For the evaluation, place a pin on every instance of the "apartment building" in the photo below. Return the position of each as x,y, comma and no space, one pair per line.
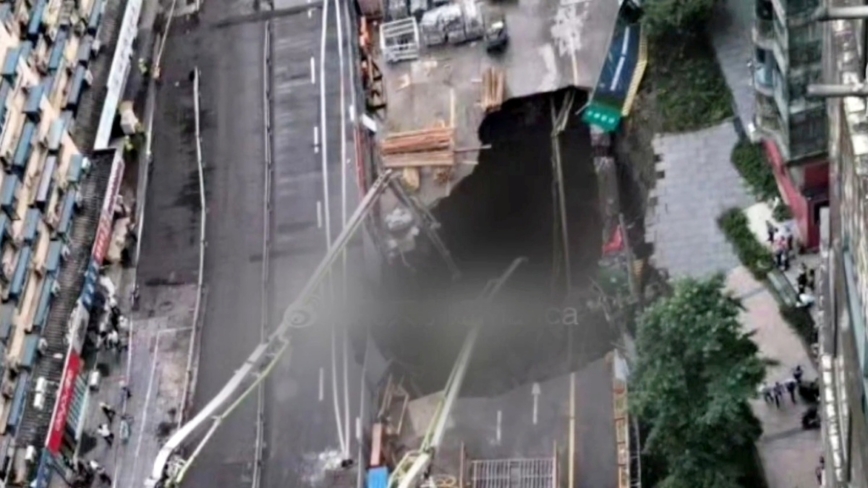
843,276
793,128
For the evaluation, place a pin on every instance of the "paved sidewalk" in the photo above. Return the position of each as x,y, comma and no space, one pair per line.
155,368
731,31
788,453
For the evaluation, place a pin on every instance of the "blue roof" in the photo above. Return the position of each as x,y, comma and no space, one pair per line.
4,227
36,18
31,346
77,87
52,260
20,276
55,133
34,99
18,399
10,64
73,174
25,144
8,191
95,15
57,50
66,212
378,478
31,224
44,303
84,50
7,314
26,49
46,181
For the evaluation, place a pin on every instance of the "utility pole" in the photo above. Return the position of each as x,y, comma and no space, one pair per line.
559,122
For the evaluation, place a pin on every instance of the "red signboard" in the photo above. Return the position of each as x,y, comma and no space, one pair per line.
104,231
64,399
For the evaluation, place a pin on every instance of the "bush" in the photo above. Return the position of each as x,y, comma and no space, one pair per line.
751,164
802,323
689,89
676,18
756,257
782,212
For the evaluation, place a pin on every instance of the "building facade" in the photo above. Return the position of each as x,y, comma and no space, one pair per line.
793,127
843,276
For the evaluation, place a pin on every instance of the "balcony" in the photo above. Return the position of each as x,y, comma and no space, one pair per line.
764,33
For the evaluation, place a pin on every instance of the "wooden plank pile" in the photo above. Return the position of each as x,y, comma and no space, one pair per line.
419,148
493,90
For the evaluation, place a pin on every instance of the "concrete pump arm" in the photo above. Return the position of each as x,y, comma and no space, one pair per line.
299,314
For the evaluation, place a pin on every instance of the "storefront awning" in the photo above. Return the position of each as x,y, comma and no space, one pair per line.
619,80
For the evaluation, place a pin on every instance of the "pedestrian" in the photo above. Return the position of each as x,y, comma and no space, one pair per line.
778,393
812,279
125,390
791,389
819,471
802,278
798,373
105,432
93,466
108,410
113,339
770,231
766,392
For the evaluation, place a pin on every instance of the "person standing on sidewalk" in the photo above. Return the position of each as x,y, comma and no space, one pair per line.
104,478
778,392
105,432
791,389
108,410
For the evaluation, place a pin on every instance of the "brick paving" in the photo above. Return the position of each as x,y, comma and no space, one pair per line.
788,453
696,183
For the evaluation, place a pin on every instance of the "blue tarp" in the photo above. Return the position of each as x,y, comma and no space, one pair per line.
378,478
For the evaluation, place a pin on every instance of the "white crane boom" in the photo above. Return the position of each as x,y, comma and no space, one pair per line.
297,315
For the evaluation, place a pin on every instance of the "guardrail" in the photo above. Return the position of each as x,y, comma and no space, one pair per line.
193,354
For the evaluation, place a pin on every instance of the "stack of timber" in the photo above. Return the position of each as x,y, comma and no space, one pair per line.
493,90
419,148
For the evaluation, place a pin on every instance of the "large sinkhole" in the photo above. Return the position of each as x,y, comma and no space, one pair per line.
505,209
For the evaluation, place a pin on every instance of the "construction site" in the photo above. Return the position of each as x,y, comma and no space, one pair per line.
477,107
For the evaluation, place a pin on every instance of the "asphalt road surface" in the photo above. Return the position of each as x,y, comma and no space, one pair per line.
227,43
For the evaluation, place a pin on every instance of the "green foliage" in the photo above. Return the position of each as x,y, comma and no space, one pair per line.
671,18
756,257
749,160
801,322
695,373
782,212
688,86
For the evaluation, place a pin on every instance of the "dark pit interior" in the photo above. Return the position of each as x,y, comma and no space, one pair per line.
503,210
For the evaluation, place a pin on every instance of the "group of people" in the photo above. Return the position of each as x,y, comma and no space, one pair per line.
775,393
782,242
110,330
86,472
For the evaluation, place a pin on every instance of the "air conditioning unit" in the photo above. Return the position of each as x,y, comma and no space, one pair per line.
79,27
96,47
64,252
39,401
17,242
88,77
31,454
55,289
41,384
93,380
6,156
8,390
39,268
79,199
85,165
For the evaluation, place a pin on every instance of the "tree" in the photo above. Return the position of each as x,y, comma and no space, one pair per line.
696,370
664,18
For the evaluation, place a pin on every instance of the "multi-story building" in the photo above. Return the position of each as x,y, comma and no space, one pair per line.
793,127
843,274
